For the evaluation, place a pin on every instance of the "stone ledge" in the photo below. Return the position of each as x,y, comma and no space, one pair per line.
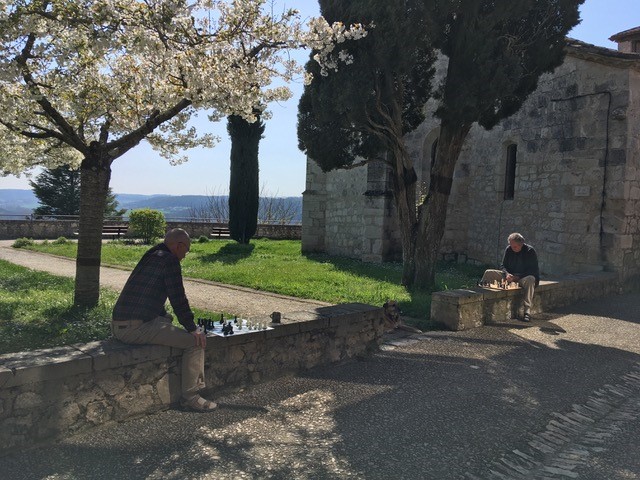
53,392
463,309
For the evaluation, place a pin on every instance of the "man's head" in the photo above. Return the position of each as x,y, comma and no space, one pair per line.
516,241
178,242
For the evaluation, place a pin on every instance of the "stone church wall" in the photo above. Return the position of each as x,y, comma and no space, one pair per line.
577,181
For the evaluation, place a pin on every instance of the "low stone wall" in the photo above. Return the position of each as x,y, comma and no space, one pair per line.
463,309
52,229
48,393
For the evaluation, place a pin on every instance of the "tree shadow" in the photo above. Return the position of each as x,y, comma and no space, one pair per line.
472,395
229,254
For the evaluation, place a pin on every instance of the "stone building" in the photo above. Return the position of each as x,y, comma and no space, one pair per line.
564,171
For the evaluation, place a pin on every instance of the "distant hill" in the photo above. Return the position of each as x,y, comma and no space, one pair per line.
17,202
22,202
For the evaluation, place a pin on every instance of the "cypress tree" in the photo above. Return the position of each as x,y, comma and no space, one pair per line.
243,185
364,109
495,50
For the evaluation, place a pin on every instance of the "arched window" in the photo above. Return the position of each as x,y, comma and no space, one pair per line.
635,46
510,172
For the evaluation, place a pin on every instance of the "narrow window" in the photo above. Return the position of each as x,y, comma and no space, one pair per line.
510,172
434,149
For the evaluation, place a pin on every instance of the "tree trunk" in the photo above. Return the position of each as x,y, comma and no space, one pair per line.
95,173
404,193
243,185
432,214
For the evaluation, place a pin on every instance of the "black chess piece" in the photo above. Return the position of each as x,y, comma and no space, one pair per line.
227,329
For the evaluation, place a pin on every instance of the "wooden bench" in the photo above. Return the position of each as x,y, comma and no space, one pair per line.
463,309
220,232
114,231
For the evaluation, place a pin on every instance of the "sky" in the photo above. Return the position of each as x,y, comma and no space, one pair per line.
282,165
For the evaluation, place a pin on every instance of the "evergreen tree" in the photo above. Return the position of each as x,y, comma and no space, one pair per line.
363,110
243,187
496,51
58,192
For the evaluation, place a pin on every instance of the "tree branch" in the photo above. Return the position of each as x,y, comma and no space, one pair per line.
67,133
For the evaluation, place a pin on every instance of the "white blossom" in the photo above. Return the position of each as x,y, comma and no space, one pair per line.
74,72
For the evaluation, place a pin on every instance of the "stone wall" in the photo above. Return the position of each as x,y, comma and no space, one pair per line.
463,309
52,229
53,392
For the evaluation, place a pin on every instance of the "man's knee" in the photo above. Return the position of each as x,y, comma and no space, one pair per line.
529,281
492,275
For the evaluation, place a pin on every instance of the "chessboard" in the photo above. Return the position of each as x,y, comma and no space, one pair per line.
231,326
500,285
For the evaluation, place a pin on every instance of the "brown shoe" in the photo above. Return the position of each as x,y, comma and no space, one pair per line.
198,404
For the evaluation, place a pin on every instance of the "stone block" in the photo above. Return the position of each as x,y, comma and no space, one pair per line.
5,376
46,364
457,309
107,354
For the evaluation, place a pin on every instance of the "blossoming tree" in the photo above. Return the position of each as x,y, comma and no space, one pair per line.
84,81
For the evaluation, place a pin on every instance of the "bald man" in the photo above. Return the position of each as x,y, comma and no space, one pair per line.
139,315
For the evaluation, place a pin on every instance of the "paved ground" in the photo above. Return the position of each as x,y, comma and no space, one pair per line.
556,399
202,294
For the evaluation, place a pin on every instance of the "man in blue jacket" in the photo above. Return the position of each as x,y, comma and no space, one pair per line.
520,265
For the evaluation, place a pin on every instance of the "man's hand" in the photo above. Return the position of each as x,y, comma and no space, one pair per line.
512,278
200,336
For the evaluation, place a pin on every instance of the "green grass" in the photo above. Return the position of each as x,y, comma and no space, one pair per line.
36,311
279,266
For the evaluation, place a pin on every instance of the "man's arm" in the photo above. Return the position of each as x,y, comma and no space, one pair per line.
177,296
532,267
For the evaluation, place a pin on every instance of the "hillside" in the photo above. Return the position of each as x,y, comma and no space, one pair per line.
14,202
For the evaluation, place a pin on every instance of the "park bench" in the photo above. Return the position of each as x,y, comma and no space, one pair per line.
114,231
463,309
220,232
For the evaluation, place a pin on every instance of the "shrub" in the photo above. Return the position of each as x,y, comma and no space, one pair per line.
60,241
203,239
147,224
23,242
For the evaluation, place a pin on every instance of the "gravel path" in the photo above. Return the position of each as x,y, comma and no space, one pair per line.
210,296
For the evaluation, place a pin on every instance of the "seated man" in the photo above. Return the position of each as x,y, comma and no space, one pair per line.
520,265
139,315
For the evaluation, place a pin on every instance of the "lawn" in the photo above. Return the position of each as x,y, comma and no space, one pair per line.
36,308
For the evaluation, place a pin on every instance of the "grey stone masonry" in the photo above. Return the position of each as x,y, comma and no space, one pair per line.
463,309
48,393
575,144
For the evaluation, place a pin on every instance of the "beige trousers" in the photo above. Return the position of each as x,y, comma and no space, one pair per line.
527,283
160,331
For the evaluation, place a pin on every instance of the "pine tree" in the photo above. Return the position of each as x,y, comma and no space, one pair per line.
243,185
58,192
